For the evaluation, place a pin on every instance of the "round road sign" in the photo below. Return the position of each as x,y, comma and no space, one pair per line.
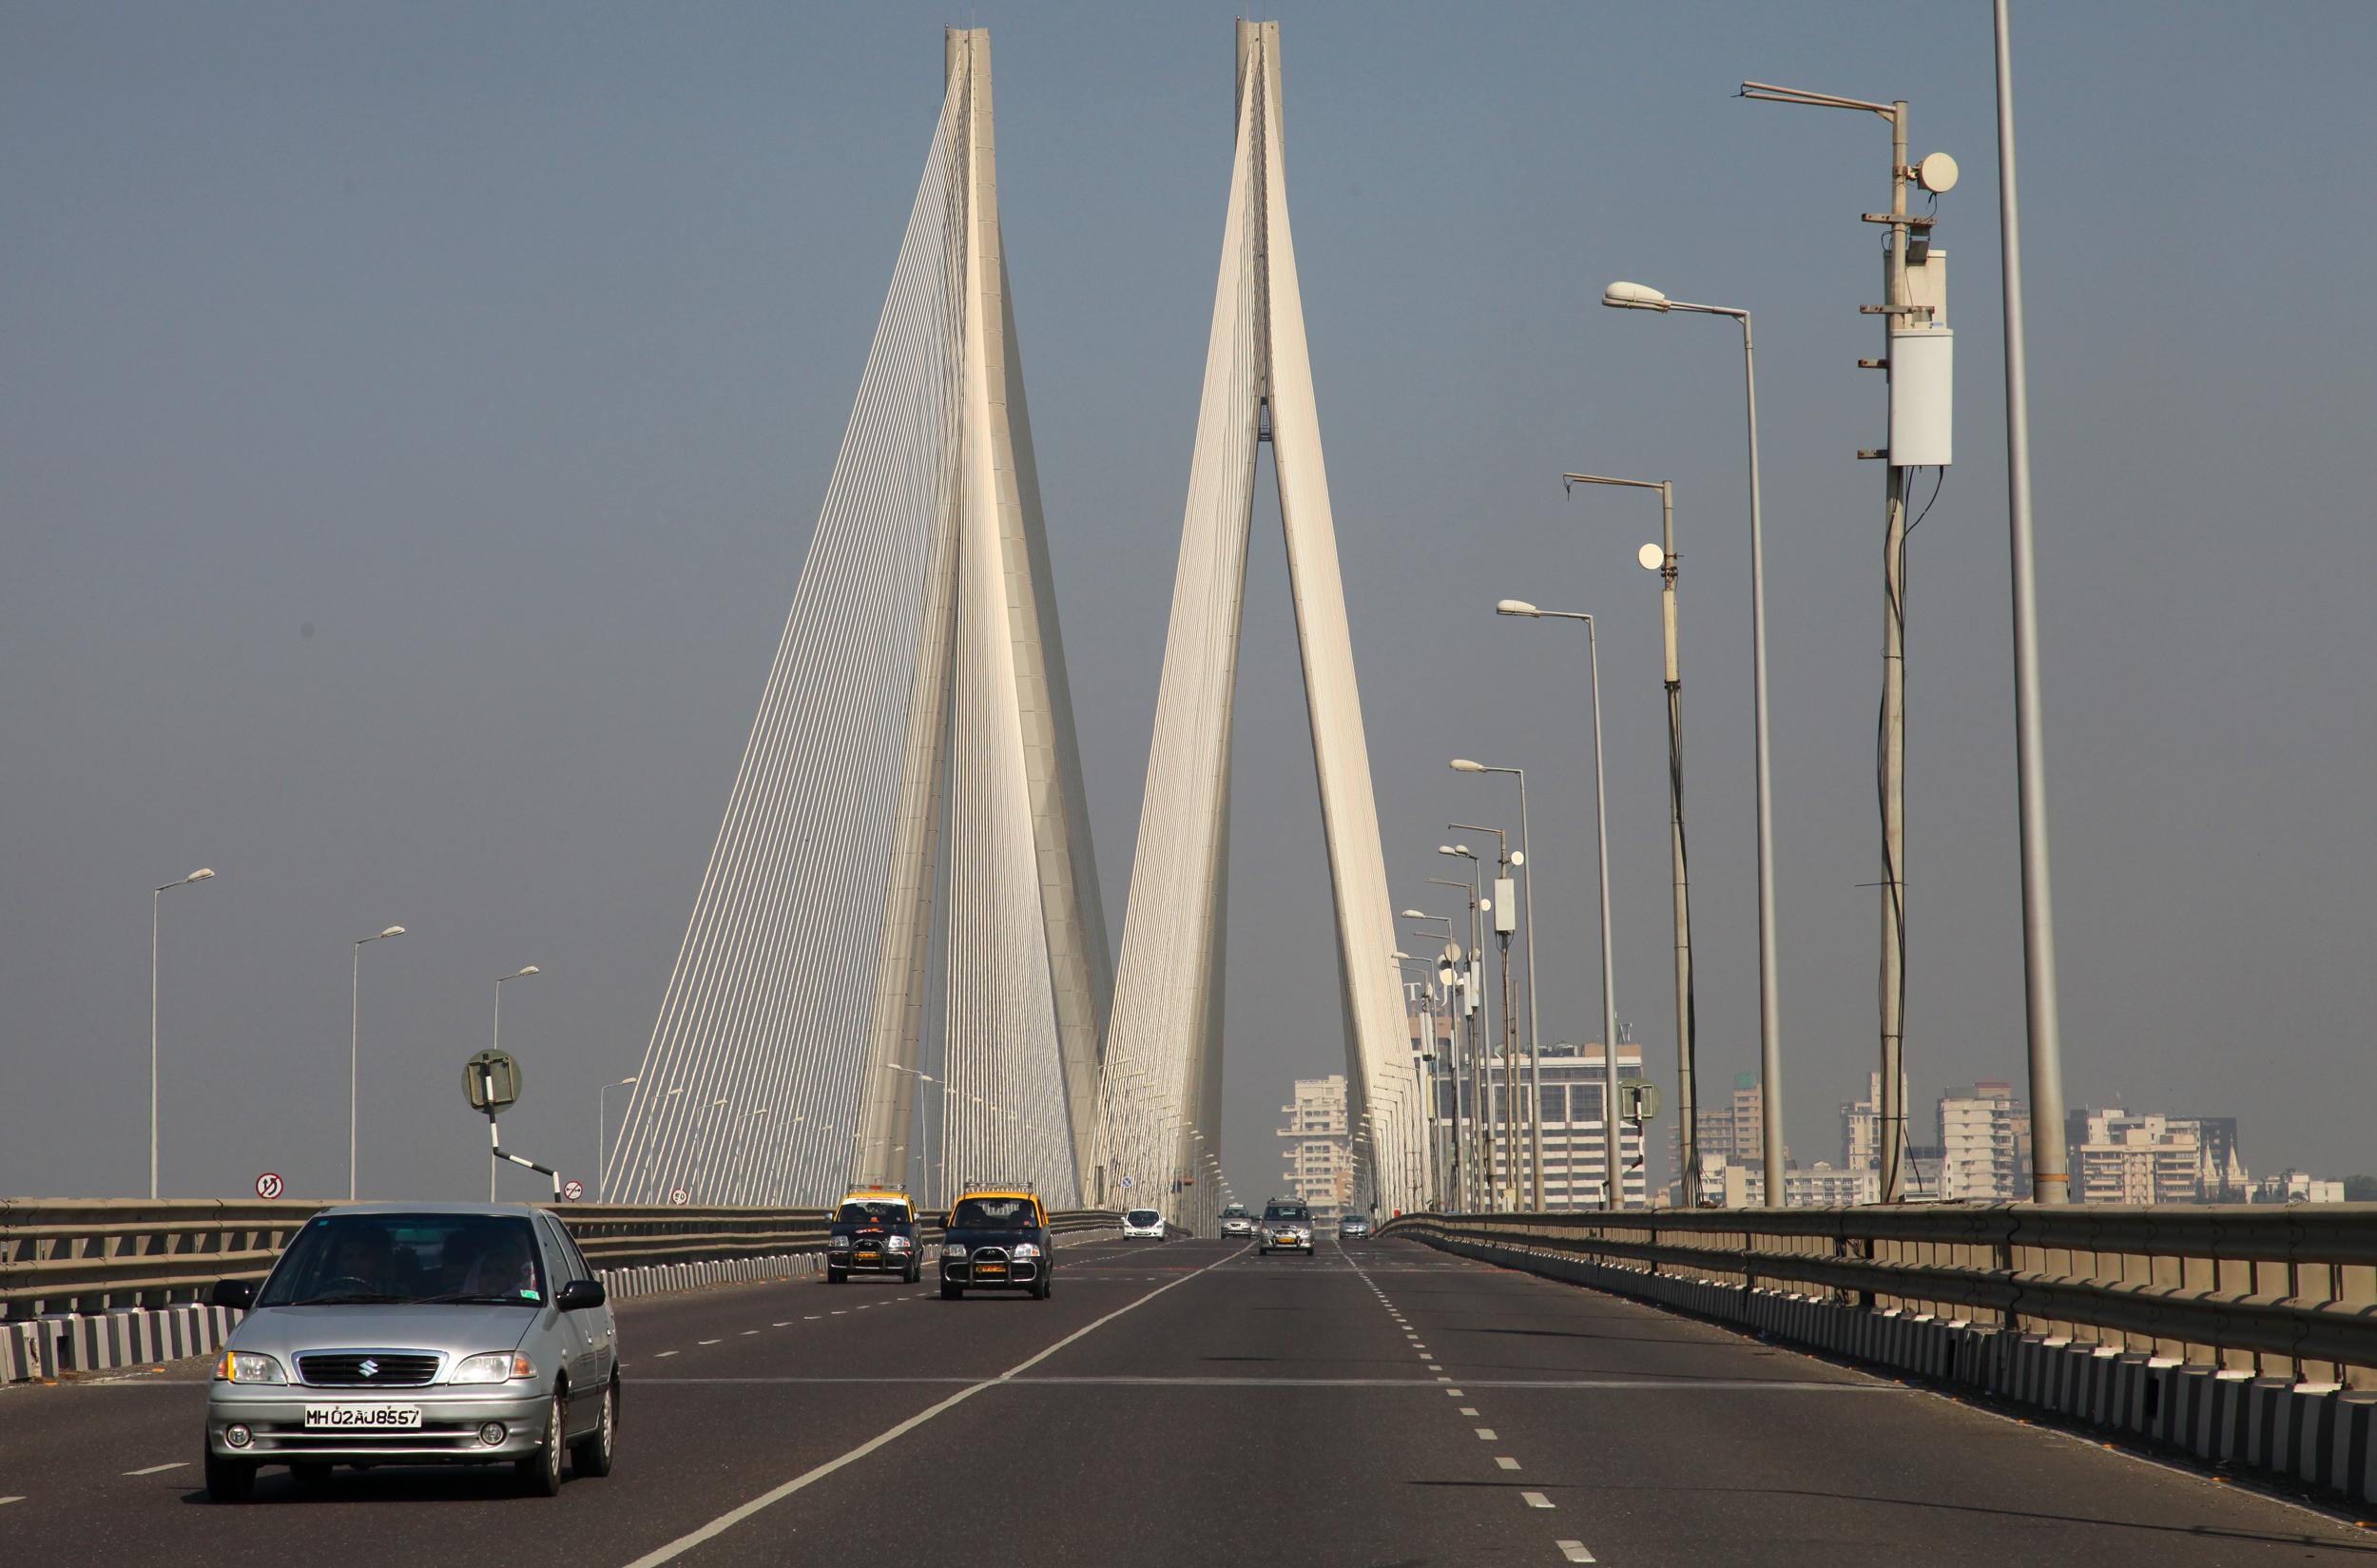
573,1190
268,1185
679,1196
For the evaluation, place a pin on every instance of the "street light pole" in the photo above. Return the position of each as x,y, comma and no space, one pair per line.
1508,1189
354,1039
1613,1194
2051,1180
1662,559
1624,296
1534,1041
155,901
1477,1155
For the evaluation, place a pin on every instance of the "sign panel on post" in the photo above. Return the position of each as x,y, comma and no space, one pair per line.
491,1080
679,1196
573,1190
268,1185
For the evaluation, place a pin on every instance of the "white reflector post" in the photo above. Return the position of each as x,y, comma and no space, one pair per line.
1923,396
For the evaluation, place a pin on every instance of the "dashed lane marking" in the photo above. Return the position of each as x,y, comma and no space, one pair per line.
1485,1434
4,1501
663,1355
1536,1500
1574,1550
787,1324
160,1469
1466,1409
705,1341
1506,1462
748,1332
735,1516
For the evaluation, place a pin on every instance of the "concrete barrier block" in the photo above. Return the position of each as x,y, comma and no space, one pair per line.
2266,1434
2190,1394
2356,1444
2311,1410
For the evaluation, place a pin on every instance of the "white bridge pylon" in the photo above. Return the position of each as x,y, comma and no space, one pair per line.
1163,1058
918,692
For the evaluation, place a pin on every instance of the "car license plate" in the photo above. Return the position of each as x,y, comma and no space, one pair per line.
363,1418
991,1268
869,1257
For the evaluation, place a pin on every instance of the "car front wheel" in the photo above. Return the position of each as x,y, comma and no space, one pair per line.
591,1455
540,1472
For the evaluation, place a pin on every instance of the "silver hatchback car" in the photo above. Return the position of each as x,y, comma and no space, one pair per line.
418,1334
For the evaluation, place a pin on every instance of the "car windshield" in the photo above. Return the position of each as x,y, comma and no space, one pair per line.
874,1214
1234,1211
1143,1217
1286,1212
993,1214
342,1259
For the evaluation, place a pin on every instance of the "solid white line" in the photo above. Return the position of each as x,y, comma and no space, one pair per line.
1537,1499
156,1469
1574,1550
735,1516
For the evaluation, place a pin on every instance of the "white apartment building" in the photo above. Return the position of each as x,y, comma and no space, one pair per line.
2121,1156
1574,1132
1730,1184
1319,1154
1985,1144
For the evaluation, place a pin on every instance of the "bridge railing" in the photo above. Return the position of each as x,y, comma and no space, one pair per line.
96,1256
2265,1289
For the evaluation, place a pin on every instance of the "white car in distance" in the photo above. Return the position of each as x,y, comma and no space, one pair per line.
1143,1225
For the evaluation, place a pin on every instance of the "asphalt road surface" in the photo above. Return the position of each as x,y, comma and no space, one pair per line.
1181,1402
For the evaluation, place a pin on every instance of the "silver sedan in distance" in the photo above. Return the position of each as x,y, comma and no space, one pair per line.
418,1334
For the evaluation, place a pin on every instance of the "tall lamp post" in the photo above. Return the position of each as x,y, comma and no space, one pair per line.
520,974
1661,558
1504,920
602,1134
1622,296
1613,1195
1535,1041
155,899
1472,988
354,1044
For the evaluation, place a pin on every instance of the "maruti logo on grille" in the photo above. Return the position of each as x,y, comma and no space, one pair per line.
370,1368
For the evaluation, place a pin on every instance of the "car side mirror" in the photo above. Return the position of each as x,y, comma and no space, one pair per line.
578,1295
236,1293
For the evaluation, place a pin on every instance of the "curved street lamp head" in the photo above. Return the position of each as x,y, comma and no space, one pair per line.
1623,296
1516,607
1463,765
202,874
1417,915
392,931
522,973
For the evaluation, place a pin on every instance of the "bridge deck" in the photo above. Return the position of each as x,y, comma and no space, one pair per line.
1183,1403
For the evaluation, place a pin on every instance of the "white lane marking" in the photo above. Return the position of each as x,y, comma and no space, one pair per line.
663,1355
1574,1550
811,1318
1456,1393
748,1332
706,1342
4,1501
158,1469
735,1516
1485,1434
1434,1367
839,1313
1506,1462
1466,1409
787,1324
1537,1499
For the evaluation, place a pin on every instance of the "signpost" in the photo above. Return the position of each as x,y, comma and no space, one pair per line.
491,1081
268,1185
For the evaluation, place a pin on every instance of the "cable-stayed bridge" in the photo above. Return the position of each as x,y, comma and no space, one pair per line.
914,762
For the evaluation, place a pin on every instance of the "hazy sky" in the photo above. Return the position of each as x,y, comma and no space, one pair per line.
412,420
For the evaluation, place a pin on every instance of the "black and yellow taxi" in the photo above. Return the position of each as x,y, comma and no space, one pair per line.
874,1233
998,1239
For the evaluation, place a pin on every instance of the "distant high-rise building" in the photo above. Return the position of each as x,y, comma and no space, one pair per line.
1861,1124
1985,1144
1319,1156
2146,1157
1575,1149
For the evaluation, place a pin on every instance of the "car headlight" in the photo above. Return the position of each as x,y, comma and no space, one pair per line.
493,1366
1025,1249
838,1244
953,1249
249,1367
900,1244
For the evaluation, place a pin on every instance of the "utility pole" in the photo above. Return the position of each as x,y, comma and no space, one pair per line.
1505,923
1918,345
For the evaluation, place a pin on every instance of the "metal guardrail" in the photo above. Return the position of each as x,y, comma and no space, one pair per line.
89,1256
2262,1289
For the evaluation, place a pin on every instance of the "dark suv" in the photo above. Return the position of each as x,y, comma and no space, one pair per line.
998,1238
874,1233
